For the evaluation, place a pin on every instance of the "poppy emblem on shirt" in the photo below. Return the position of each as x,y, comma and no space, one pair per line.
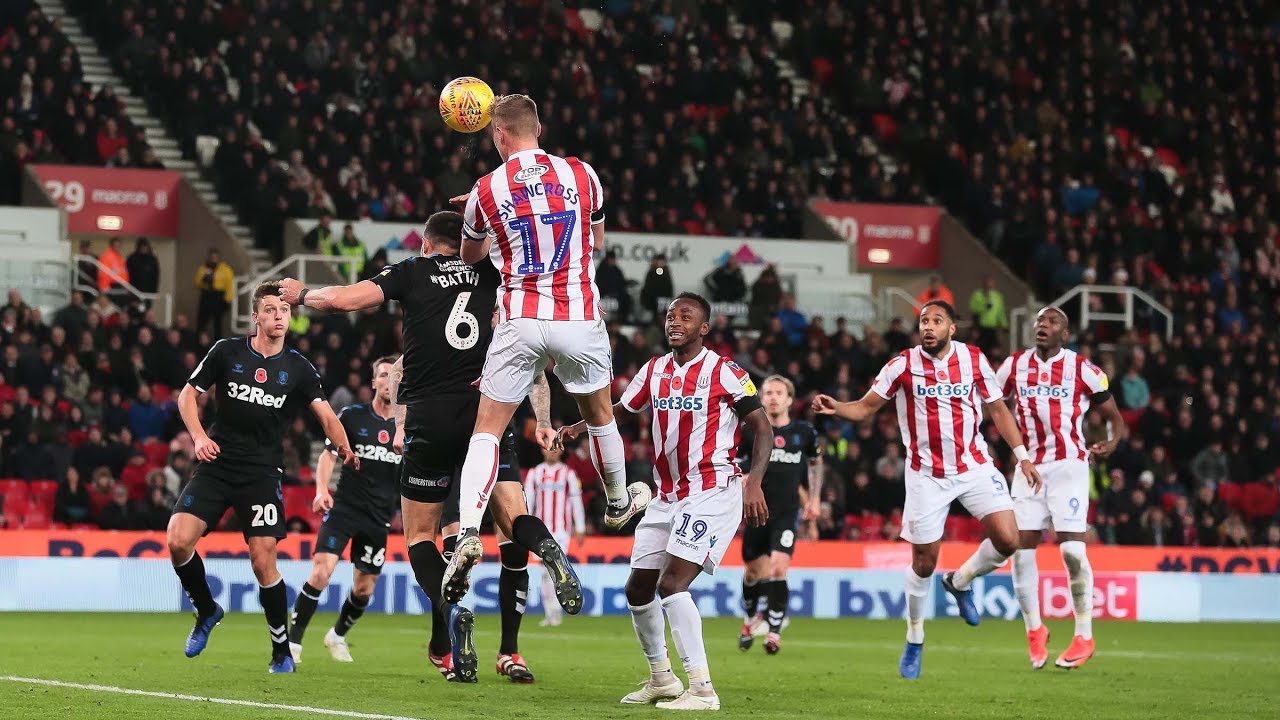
779,441
942,376
676,384
1044,377
384,437
260,375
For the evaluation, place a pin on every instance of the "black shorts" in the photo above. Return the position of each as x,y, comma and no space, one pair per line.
368,539
435,445
777,535
508,471
253,491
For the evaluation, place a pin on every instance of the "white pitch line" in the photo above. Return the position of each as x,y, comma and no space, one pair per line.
199,698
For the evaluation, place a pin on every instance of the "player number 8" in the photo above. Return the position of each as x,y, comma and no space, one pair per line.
459,317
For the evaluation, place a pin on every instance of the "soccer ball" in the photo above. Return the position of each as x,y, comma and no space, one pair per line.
466,104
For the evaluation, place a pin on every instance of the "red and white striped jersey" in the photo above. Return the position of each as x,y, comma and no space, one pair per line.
1053,397
554,496
695,425
540,209
939,403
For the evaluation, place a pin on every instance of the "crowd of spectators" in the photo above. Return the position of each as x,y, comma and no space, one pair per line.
49,114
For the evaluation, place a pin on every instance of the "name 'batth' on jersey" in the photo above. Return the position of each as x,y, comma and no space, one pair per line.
1053,396
374,488
939,403
696,424
252,394
448,310
540,209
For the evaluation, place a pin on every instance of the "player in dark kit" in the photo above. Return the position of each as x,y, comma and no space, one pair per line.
792,482
360,513
447,309
240,459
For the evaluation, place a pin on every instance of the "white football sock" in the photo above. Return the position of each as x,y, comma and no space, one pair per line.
1081,574
478,474
651,630
610,461
1026,585
917,589
981,562
550,605
686,632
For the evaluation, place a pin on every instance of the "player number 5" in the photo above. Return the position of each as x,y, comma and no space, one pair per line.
458,317
264,515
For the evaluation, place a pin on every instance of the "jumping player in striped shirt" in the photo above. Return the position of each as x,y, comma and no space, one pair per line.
1052,388
698,400
553,494
940,388
540,219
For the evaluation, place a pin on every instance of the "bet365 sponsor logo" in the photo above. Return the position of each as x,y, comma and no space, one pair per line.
1115,597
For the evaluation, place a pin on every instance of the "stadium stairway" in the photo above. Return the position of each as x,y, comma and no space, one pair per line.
97,72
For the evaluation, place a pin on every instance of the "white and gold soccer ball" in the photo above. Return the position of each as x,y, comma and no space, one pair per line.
466,104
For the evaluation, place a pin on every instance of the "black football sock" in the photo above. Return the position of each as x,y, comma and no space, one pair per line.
779,595
352,609
191,574
530,532
751,593
303,608
513,591
275,606
428,568
450,542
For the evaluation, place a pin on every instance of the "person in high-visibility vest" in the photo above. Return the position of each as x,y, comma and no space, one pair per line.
351,247
114,271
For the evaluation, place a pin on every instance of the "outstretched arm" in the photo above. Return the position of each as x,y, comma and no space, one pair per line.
855,410
334,298
335,432
999,413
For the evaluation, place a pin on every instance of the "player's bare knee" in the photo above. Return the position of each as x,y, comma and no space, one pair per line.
320,574
179,548
1005,543
640,589
670,584
363,587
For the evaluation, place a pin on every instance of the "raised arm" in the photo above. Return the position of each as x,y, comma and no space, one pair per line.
334,298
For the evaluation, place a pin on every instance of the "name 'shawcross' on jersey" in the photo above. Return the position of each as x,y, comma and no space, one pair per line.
540,208
448,316
254,393
374,488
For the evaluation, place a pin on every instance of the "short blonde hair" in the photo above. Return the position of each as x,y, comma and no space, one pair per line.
516,114
790,386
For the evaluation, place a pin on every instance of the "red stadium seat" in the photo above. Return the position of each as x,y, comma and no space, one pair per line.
1167,501
160,393
885,127
44,490
134,477
307,475
15,488
869,525
954,528
1231,494
297,501
156,452
1123,137
76,438
38,517
1260,500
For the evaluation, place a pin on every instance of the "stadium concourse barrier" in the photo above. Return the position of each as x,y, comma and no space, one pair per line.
69,570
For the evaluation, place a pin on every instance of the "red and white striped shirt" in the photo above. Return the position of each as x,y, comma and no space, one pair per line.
554,495
540,209
695,426
1053,397
939,404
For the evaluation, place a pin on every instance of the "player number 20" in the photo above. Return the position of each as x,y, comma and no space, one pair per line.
264,515
374,559
698,528
459,317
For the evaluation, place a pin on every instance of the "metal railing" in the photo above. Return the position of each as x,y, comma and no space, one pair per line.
294,266
1082,315
163,302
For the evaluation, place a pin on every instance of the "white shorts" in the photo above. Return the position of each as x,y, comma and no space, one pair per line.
1064,497
982,491
698,528
521,348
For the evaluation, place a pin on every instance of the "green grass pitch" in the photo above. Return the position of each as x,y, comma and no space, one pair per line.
827,669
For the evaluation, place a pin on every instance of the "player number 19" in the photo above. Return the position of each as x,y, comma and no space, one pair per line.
458,317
